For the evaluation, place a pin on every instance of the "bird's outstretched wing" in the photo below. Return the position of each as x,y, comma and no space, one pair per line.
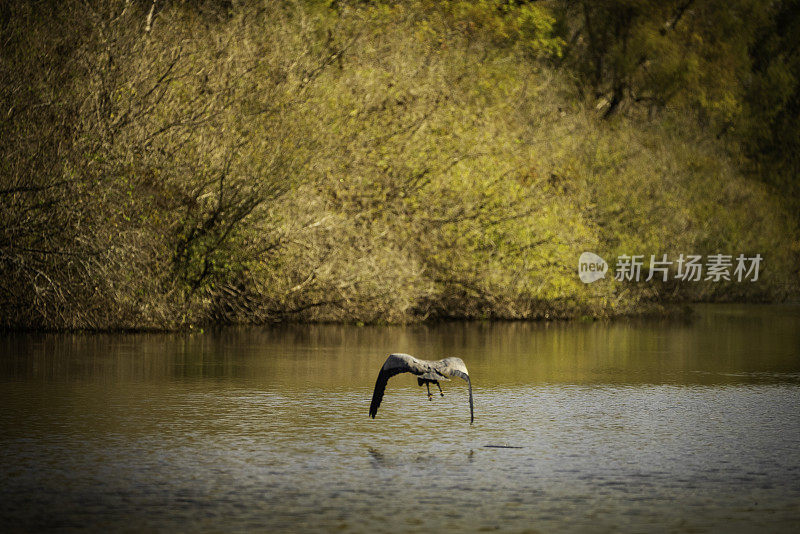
455,367
394,365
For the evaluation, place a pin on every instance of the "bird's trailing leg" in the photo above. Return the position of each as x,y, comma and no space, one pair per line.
440,389
428,385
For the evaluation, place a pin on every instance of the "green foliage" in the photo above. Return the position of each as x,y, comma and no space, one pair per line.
364,161
687,52
770,125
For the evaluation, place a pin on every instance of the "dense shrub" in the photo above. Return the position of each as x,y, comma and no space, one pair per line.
371,162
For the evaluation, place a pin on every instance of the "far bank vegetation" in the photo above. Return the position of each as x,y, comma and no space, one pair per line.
186,163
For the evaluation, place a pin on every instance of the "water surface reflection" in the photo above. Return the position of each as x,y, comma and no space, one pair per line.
629,425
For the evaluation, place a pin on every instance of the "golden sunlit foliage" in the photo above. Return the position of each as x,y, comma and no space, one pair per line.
366,161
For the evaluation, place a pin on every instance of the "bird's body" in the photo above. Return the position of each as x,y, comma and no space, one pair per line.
428,372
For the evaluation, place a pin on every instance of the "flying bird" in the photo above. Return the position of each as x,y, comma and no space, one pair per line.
427,372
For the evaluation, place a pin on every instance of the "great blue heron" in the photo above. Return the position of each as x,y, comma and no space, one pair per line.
427,373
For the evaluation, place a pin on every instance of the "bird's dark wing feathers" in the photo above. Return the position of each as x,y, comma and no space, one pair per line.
455,367
465,376
394,365
380,387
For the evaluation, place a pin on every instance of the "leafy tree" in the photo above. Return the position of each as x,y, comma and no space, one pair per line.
770,126
654,52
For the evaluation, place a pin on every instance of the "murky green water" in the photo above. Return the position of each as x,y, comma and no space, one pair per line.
646,426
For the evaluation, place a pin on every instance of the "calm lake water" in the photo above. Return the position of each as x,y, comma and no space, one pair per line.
636,426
